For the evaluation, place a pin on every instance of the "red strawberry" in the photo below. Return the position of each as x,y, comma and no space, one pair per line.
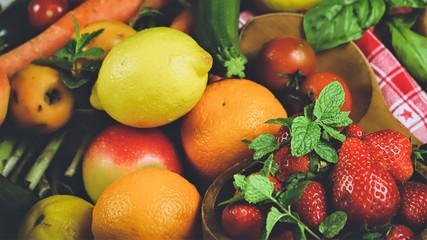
283,135
400,232
393,150
241,220
289,164
413,206
353,130
362,187
311,207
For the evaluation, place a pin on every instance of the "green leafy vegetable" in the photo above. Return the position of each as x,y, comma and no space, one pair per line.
406,3
334,22
409,47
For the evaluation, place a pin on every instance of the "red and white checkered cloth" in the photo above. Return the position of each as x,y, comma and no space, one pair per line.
404,97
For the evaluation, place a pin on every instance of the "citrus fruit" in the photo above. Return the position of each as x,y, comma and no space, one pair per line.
113,32
58,217
152,78
150,203
229,111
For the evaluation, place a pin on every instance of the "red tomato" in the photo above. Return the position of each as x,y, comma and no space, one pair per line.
284,55
314,84
42,13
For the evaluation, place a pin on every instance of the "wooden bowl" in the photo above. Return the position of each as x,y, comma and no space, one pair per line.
369,107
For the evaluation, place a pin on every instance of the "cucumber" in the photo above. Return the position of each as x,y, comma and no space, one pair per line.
217,31
15,28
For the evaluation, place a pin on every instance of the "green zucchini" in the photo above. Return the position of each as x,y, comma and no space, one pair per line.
217,31
15,28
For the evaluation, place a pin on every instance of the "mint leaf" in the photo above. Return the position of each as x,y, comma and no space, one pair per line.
240,181
258,189
326,151
273,217
292,195
282,121
333,224
334,133
305,136
72,83
329,102
300,234
263,145
270,166
342,119
96,51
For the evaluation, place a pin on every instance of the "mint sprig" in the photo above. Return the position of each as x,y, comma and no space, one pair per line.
68,58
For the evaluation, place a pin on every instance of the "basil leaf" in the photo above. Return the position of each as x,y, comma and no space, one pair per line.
305,136
406,3
409,47
334,22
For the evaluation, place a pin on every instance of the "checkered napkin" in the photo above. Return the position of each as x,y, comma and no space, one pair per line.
402,94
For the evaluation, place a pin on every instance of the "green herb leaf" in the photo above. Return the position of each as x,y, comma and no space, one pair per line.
333,224
335,22
305,136
334,133
300,234
282,121
263,145
406,3
240,181
273,217
270,166
326,151
292,195
410,48
329,102
342,119
72,83
93,52
258,189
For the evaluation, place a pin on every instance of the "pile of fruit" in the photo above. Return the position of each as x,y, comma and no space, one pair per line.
117,115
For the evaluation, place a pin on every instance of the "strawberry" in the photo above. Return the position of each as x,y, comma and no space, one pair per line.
400,232
289,164
362,187
283,135
353,130
241,220
393,150
413,206
311,207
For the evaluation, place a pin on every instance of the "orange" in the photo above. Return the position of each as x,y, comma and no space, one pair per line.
150,203
229,111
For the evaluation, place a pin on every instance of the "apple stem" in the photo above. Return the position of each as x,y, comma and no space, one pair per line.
6,147
78,156
15,156
43,160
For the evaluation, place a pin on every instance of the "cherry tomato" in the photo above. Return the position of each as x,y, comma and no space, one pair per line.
42,13
315,82
281,57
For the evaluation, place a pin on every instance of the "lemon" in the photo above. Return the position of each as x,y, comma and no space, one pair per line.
286,5
152,78
58,217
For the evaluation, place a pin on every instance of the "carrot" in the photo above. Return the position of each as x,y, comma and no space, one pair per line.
57,35
4,95
184,21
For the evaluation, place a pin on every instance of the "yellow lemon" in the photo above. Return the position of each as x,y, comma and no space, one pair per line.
152,78
58,217
286,5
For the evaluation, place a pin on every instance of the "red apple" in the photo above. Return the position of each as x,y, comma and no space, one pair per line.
119,150
4,95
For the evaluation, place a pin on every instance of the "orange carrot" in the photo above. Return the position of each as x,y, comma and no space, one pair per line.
4,95
184,21
57,35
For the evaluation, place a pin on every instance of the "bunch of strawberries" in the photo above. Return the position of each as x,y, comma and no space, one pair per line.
372,186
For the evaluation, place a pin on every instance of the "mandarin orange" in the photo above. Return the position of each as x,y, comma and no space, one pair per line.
229,111
150,203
